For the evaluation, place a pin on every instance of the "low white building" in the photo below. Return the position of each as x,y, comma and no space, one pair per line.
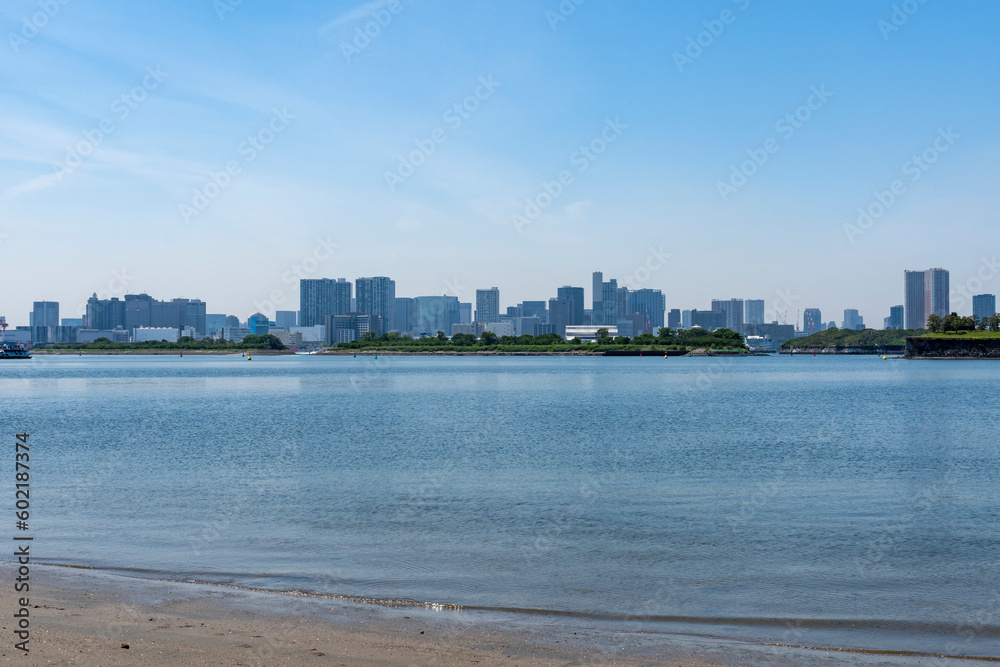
313,334
505,328
588,333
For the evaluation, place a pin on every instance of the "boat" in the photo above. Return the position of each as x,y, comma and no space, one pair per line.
11,350
14,351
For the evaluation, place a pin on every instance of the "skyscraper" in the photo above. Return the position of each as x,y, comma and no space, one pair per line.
812,321
488,305
913,299
575,295
754,311
852,320
597,294
926,293
319,297
406,314
377,296
44,320
104,314
609,304
895,319
652,305
984,305
733,308
436,313
286,319
674,319
937,297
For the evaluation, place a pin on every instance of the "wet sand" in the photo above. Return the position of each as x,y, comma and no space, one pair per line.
81,617
88,618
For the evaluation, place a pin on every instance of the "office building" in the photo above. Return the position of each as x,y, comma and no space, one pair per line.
539,309
674,318
812,321
575,296
436,313
377,296
651,304
72,321
104,314
465,312
44,320
896,319
148,334
143,311
488,305
258,324
597,295
733,309
560,314
926,293
286,319
708,319
214,322
686,319
351,326
319,297
754,311
610,304
984,305
852,320
406,314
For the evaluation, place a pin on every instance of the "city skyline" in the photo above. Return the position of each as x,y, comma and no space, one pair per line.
654,157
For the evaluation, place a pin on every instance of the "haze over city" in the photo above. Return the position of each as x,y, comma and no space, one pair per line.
413,144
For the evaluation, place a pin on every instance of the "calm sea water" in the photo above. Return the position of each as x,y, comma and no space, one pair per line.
819,501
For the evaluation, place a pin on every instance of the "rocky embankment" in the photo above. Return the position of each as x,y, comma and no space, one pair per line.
953,348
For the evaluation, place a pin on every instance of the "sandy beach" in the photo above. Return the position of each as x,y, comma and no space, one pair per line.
81,617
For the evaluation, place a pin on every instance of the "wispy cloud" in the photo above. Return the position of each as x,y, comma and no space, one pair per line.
356,14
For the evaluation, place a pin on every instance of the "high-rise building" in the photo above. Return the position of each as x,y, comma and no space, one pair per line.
561,311
406,314
686,319
597,294
104,314
895,319
812,321
319,297
926,293
436,313
709,319
984,305
214,322
733,308
539,309
674,318
651,304
937,296
488,305
44,321
286,319
852,320
377,296
608,314
575,295
465,312
754,311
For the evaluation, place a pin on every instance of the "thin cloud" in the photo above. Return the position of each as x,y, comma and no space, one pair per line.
356,14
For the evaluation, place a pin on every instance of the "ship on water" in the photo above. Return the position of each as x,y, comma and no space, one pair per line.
11,350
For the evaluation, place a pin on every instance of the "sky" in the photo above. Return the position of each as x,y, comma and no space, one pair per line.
801,153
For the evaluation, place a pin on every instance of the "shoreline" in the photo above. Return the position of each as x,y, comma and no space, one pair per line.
85,616
89,617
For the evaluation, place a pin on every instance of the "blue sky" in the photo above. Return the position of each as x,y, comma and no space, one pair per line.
118,122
